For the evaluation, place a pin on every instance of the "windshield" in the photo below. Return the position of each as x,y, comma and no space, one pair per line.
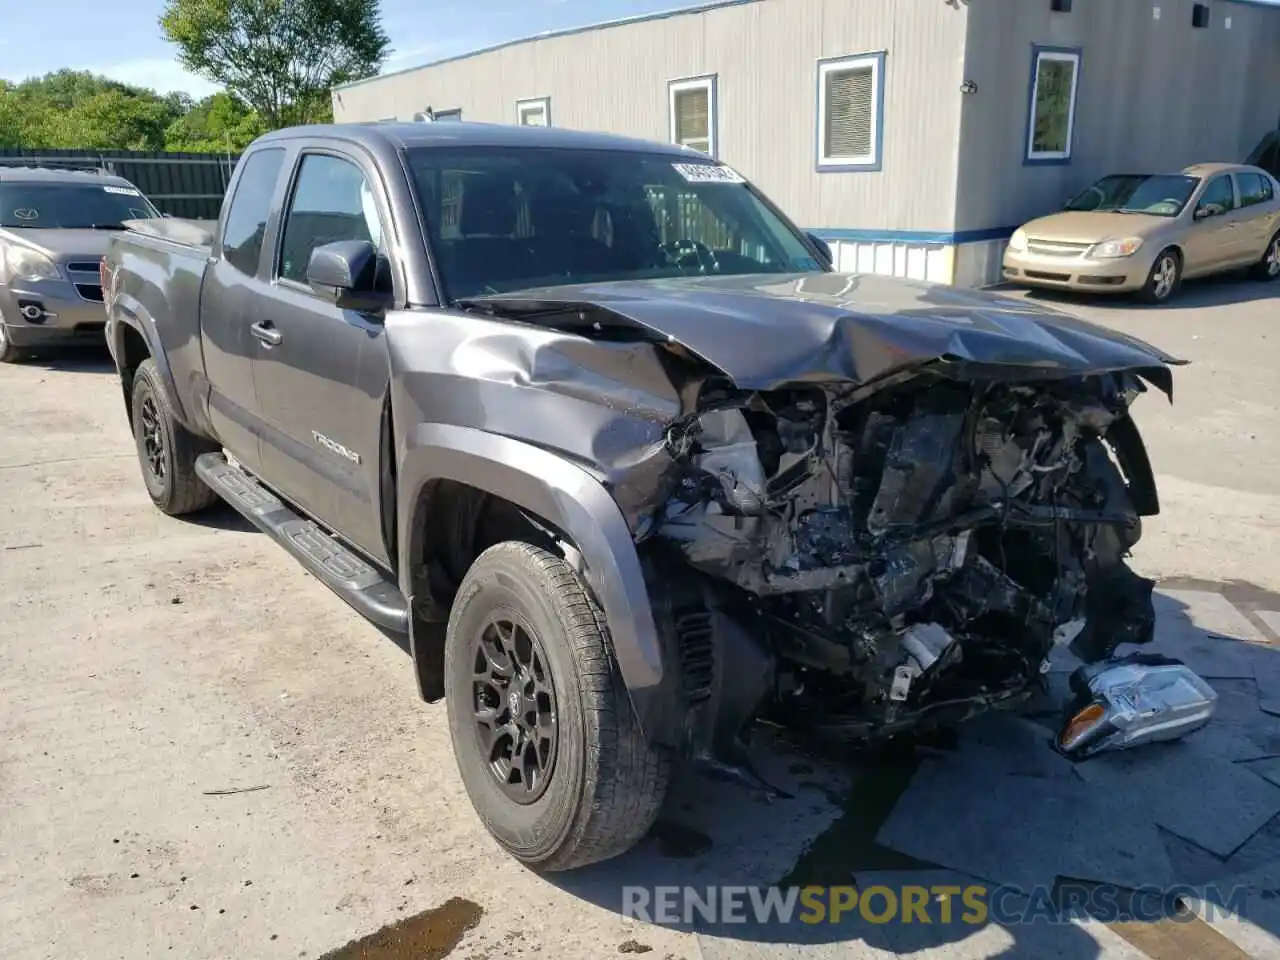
1160,195
503,219
71,205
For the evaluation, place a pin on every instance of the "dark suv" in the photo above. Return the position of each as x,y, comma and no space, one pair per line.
54,226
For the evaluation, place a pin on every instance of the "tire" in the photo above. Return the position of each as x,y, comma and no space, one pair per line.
8,352
1268,268
604,784
1161,286
167,451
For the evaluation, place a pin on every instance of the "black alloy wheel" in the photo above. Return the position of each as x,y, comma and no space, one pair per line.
514,707
152,437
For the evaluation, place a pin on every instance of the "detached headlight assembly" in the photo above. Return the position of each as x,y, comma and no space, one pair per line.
1130,701
24,264
1018,242
1114,249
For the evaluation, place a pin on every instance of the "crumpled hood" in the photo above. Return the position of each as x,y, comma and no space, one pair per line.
766,331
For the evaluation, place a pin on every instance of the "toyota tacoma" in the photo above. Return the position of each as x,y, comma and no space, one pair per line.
632,466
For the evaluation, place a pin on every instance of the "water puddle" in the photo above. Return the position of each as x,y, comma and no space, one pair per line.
430,935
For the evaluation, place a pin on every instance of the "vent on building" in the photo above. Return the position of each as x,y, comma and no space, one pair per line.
1200,15
850,112
1060,6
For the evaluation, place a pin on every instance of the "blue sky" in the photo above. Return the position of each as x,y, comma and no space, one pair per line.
123,41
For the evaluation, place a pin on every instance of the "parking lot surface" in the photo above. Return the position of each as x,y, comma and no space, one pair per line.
205,754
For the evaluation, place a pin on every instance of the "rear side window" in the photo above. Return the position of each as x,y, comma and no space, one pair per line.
246,220
332,201
1254,188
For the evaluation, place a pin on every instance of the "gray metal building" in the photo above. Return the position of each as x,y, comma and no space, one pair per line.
915,135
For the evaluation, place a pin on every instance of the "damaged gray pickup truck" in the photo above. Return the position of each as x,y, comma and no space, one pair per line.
597,428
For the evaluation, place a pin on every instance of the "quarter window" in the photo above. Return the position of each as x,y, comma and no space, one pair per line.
534,113
331,201
693,113
850,112
246,220
1055,79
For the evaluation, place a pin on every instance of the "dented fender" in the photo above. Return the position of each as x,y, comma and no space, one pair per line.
564,495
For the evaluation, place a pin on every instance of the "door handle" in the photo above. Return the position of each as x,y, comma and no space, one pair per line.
267,333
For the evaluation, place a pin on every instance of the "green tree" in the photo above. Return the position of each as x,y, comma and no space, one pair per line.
216,124
77,109
279,56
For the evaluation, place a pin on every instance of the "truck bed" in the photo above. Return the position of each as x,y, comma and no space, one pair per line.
197,234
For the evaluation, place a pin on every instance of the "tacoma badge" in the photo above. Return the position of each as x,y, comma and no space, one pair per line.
334,447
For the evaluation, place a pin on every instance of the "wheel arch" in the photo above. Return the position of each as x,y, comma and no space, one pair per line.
134,339
561,503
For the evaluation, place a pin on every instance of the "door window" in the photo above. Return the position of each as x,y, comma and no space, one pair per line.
1218,198
1254,189
331,201
246,220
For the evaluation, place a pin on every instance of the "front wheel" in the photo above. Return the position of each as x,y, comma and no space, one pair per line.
8,352
1268,268
543,731
1165,278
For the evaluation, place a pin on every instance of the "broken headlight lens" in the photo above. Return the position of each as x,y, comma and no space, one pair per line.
1142,698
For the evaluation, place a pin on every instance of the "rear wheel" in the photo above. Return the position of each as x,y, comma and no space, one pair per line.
543,731
1165,278
1268,268
167,451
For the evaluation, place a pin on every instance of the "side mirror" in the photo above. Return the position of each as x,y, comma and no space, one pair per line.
1203,213
346,274
824,248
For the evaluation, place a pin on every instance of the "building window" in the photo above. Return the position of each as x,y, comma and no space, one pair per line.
851,112
1051,120
446,115
534,113
692,108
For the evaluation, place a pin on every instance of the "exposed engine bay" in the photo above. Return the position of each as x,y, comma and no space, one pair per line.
914,552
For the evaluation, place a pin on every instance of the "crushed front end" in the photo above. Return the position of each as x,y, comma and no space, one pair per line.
903,555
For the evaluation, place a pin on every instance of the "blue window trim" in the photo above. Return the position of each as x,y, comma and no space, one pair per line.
1027,159
543,102
876,164
712,82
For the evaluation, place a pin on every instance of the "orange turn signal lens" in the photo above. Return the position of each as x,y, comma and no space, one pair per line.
1080,724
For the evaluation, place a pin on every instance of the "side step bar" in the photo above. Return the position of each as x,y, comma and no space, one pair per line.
354,579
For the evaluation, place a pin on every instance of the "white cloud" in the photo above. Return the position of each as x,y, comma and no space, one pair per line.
165,76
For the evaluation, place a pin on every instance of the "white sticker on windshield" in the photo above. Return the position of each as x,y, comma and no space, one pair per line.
123,191
708,173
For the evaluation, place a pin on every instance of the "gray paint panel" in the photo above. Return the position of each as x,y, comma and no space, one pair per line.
561,493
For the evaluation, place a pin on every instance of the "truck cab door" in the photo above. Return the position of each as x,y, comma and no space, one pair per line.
320,371
233,286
